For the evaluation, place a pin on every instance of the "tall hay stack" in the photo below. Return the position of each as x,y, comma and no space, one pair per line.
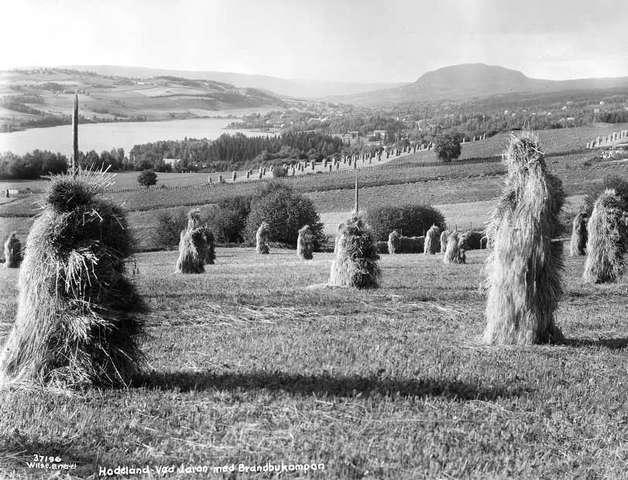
578,242
75,323
261,239
12,251
432,241
606,240
192,246
524,266
453,252
394,240
355,256
305,243
443,241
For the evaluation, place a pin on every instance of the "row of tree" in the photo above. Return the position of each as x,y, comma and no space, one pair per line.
232,152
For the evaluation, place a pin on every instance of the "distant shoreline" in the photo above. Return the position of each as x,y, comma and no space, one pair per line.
85,121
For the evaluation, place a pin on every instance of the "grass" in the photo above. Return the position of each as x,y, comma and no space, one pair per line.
250,365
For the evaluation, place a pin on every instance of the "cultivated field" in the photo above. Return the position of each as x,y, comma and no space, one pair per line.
249,365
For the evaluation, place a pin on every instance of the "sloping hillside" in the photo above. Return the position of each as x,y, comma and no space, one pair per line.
291,87
43,97
476,80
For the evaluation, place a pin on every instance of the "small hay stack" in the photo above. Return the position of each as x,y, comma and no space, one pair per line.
12,251
453,252
432,241
355,256
443,241
75,323
305,243
261,239
578,243
524,266
192,246
606,240
394,241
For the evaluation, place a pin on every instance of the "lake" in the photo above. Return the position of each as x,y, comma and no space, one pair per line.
105,136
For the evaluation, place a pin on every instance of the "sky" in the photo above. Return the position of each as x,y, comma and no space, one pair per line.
339,40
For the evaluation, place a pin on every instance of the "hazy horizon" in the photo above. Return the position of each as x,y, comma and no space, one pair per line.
343,41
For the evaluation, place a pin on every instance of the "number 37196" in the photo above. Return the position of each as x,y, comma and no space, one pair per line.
46,459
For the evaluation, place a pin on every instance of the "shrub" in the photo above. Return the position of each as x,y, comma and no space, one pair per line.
471,240
168,228
400,244
285,212
229,220
279,171
447,147
147,178
409,220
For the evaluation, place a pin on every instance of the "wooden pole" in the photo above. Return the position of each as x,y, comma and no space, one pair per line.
356,208
75,148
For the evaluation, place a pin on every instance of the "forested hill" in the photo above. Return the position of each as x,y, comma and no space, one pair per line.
43,97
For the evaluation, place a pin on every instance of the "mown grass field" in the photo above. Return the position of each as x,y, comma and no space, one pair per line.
249,365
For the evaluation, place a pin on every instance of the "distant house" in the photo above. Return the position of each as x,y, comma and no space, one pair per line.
171,161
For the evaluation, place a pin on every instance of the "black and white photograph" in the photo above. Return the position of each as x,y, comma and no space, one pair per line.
313,239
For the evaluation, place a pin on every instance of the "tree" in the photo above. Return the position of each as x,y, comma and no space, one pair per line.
285,212
447,147
147,178
410,220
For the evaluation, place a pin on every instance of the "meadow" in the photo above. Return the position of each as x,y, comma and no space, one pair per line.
248,364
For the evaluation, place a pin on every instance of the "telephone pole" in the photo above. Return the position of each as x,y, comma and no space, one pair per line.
75,148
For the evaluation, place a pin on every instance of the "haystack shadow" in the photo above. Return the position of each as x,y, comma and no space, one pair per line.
323,384
610,343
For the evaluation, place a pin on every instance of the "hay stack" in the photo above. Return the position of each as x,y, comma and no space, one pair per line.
305,243
262,238
453,251
192,246
355,256
432,240
443,241
578,243
606,240
12,251
524,266
75,322
394,240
